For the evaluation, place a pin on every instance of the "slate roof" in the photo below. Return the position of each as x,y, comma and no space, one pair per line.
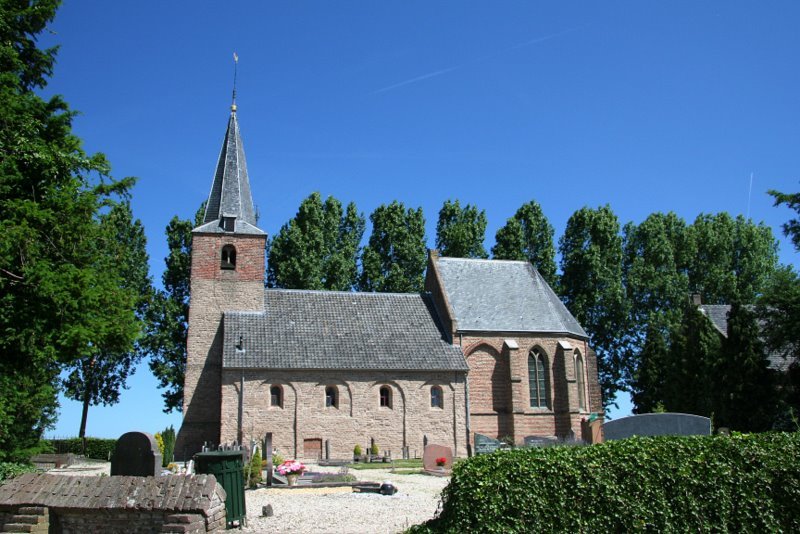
230,192
340,330
718,315
504,296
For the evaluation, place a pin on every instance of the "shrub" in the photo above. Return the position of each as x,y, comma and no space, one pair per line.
160,443
255,470
374,450
277,459
168,436
357,450
10,470
96,448
674,484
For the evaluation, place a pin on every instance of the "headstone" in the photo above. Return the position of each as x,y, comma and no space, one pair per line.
136,454
485,444
267,511
387,488
540,441
657,424
432,452
268,455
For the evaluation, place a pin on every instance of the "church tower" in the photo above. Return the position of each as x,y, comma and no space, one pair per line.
227,274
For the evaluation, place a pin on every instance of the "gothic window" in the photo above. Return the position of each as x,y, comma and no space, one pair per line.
386,397
228,257
580,382
537,379
276,396
437,399
331,397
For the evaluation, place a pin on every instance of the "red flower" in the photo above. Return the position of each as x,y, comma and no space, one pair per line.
441,461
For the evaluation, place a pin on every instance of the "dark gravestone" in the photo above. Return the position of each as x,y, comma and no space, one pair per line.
136,454
268,457
657,424
485,444
540,441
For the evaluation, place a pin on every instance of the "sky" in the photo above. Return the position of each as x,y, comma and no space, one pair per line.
647,106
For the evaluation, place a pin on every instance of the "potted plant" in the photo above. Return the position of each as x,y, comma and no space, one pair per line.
357,453
374,452
291,469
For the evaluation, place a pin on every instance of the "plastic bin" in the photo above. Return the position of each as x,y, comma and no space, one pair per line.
226,466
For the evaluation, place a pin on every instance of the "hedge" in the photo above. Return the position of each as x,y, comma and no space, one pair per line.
667,484
97,448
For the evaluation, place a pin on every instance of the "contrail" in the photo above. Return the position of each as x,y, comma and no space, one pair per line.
473,61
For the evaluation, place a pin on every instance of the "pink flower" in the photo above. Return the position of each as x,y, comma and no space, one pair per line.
291,467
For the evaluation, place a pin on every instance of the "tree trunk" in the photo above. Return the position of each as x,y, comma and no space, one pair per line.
84,415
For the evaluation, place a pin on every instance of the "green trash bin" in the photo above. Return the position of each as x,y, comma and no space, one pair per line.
226,466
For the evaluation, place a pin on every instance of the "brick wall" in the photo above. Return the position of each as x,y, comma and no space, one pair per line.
214,291
359,416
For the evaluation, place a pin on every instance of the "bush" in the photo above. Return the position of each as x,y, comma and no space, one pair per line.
675,484
10,470
374,450
255,470
168,437
96,448
357,450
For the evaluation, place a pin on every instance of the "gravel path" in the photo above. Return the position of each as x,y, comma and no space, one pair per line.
341,510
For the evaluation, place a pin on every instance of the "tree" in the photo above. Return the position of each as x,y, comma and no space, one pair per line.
460,231
528,235
394,259
591,286
732,258
51,195
791,228
745,396
318,248
656,287
168,315
98,374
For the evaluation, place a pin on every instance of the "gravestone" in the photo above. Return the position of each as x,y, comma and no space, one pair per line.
432,452
136,454
485,444
657,424
540,441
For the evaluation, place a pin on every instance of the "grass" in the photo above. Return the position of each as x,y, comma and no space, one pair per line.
396,464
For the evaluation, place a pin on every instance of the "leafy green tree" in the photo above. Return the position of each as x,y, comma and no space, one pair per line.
694,357
591,286
732,258
745,396
460,231
101,371
318,248
649,378
394,259
168,314
528,235
52,307
791,228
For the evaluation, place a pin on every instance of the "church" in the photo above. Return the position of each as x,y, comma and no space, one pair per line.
488,348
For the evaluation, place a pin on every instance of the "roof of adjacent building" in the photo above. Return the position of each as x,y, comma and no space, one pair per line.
230,192
504,296
718,315
302,329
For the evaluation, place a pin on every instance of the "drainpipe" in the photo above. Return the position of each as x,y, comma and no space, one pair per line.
466,400
240,433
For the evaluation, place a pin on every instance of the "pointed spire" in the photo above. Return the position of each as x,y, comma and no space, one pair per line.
230,200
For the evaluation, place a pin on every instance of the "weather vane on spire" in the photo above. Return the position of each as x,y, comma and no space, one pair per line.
235,64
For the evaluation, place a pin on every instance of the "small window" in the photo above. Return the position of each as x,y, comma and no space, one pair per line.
437,400
228,257
386,397
276,396
229,224
580,382
331,397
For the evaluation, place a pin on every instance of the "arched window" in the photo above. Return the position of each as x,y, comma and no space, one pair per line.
228,260
580,382
331,397
276,396
437,398
386,397
537,379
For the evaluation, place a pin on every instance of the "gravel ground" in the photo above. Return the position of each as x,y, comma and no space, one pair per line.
341,510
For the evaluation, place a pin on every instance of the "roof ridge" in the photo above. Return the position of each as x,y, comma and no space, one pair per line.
486,260
335,292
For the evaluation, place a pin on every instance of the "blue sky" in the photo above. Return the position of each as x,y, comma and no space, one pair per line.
646,106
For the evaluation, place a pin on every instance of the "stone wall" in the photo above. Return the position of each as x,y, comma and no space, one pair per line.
37,502
214,291
357,419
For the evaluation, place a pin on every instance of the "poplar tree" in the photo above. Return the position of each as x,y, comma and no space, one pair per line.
168,314
318,248
528,235
591,287
394,259
460,231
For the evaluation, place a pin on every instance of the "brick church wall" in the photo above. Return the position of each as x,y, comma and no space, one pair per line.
359,416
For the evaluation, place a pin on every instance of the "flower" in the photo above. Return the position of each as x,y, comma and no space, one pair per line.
441,461
291,467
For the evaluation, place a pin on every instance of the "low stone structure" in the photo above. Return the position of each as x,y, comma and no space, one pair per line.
657,424
36,502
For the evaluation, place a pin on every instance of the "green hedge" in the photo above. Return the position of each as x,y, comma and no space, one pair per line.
97,448
745,483
9,470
